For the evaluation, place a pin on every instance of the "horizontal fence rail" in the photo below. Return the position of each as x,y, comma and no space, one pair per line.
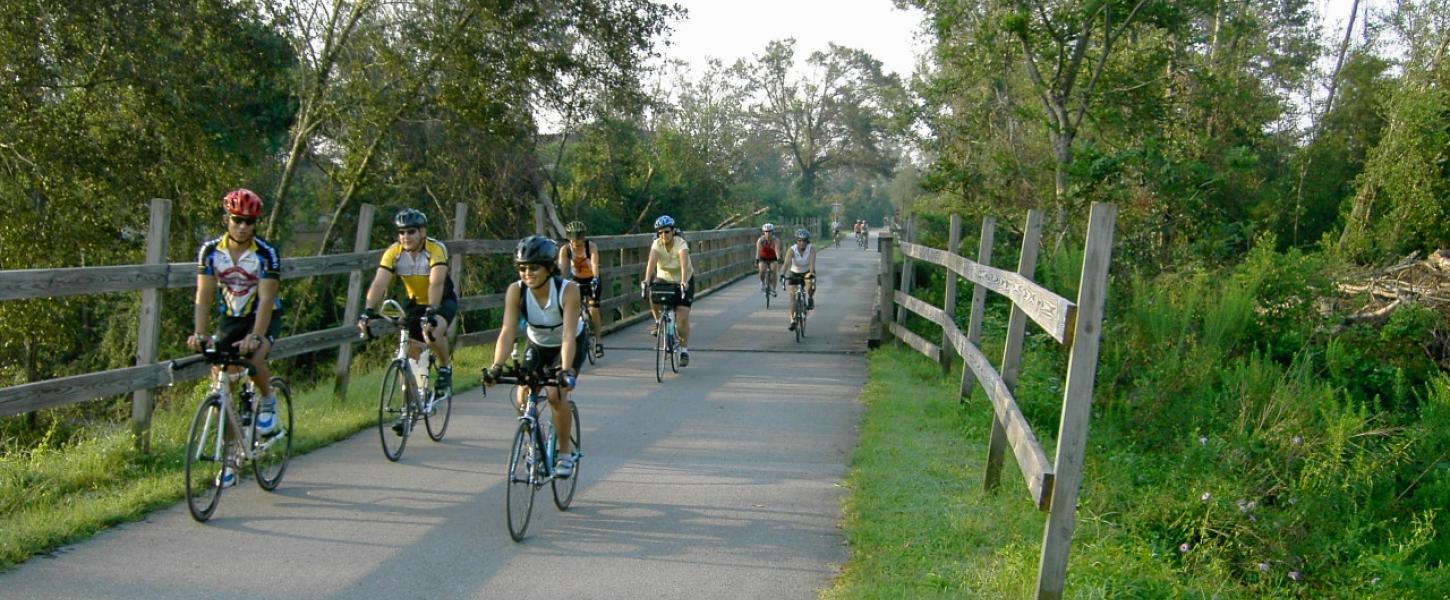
719,257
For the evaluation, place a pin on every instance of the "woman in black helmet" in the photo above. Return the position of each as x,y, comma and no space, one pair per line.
579,259
547,303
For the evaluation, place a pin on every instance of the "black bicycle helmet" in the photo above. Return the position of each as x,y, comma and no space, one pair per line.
536,250
410,217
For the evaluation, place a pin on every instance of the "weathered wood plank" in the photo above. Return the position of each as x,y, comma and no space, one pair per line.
918,343
920,307
480,302
1050,311
79,388
75,281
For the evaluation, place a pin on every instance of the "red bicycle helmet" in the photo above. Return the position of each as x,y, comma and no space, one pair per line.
243,202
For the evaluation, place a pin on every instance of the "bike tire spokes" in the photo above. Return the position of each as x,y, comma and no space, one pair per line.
395,408
206,456
519,497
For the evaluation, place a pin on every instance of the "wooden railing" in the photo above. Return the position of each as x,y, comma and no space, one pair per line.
1053,485
719,257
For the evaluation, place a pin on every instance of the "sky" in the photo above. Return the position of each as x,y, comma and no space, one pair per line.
732,29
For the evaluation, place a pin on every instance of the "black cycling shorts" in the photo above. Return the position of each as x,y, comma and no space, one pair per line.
588,291
793,278
546,357
232,329
448,309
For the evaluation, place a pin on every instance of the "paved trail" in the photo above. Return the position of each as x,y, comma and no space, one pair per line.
722,482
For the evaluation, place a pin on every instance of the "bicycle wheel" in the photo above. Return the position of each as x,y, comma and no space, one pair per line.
586,343
519,499
395,407
660,350
206,453
564,489
800,319
436,420
673,346
766,290
271,453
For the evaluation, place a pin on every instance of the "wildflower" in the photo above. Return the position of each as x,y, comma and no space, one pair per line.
1264,567
1298,440
1374,581
1296,576
1206,497
1203,440
1183,547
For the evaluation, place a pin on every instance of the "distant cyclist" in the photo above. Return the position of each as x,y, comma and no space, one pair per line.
767,255
546,303
669,267
422,263
800,261
247,271
580,259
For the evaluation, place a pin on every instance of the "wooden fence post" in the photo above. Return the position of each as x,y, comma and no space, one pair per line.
455,266
887,283
979,301
908,272
1012,351
1077,399
949,304
148,330
539,219
353,306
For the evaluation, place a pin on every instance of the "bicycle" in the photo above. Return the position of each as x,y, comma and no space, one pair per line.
406,397
586,337
768,290
836,238
861,239
799,304
535,445
212,444
663,295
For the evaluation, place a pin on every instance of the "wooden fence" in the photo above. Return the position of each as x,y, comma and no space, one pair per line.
1052,485
719,257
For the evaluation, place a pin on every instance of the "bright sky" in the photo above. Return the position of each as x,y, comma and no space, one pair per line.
732,29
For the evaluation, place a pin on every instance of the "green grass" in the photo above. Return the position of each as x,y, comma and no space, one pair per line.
50,497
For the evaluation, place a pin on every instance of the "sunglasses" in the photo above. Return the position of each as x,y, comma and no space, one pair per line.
408,231
243,220
528,268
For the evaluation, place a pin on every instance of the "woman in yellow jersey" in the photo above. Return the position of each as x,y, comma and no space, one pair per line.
669,267
580,259
422,263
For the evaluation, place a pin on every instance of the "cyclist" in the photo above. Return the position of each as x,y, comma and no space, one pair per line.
801,262
669,265
581,257
422,263
836,229
549,303
246,271
767,254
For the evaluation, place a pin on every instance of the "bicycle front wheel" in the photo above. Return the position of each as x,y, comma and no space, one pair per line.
660,349
436,419
270,453
394,410
586,343
521,473
800,319
206,456
564,489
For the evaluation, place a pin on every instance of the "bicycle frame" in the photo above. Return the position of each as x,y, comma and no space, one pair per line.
223,380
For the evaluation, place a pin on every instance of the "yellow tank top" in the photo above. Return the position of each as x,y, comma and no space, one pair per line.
667,260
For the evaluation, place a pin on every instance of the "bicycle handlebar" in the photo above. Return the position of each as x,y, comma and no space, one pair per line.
212,355
516,374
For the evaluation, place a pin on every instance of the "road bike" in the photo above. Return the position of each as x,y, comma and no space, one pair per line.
799,304
666,346
222,436
535,447
768,289
406,396
861,239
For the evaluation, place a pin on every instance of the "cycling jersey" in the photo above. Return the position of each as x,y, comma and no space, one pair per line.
800,260
583,269
237,280
667,259
414,268
544,321
765,248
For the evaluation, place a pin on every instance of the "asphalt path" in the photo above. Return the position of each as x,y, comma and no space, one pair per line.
721,482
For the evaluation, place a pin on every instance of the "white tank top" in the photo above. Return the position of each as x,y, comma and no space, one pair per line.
543,321
800,262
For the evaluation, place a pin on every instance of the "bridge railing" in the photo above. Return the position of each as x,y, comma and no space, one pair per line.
1052,485
719,257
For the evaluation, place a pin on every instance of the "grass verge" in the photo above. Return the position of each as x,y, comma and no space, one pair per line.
50,497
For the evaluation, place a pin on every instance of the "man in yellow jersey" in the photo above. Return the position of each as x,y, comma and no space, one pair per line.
422,263
669,270
580,259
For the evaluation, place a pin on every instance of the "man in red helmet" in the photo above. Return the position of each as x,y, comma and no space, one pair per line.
246,270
